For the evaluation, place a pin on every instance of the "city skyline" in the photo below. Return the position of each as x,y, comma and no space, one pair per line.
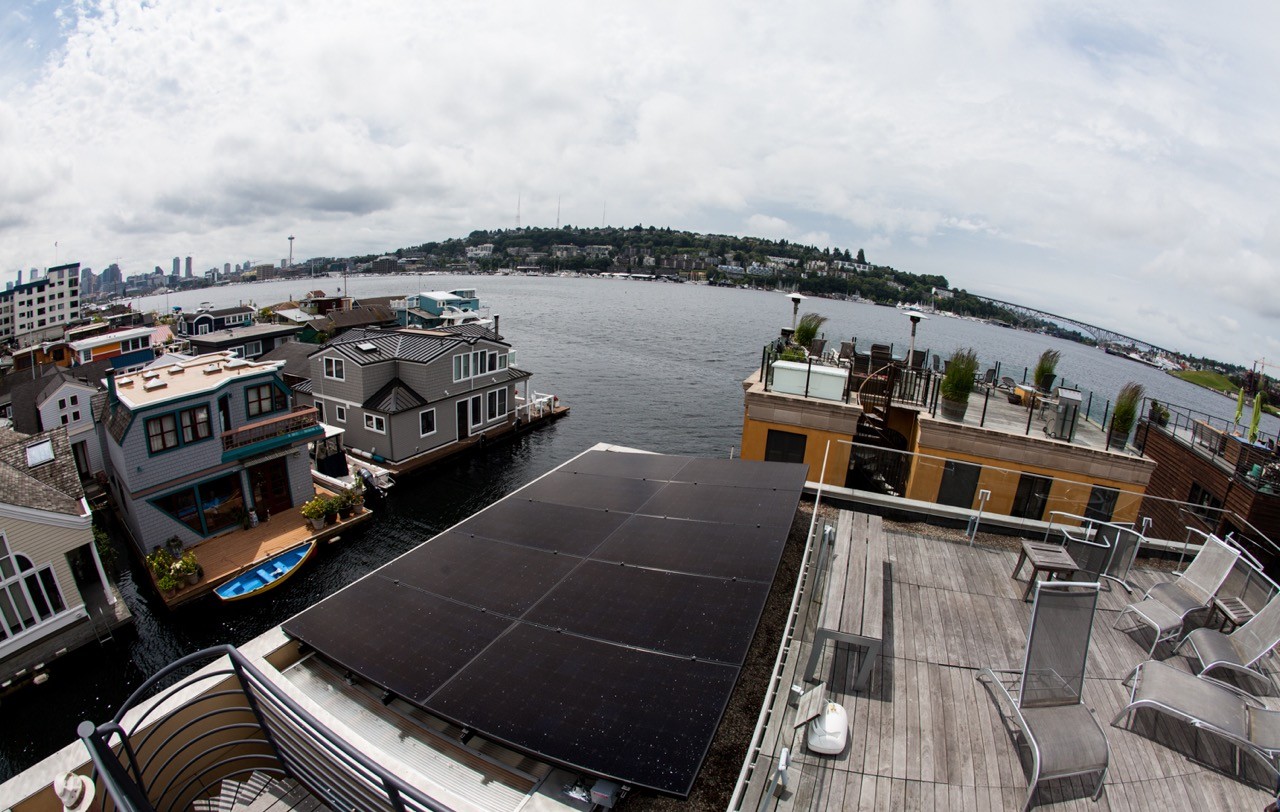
1114,165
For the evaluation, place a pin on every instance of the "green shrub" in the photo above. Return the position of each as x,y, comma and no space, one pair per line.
1126,410
807,329
957,381
1047,365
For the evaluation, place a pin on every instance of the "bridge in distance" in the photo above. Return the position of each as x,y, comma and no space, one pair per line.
1027,316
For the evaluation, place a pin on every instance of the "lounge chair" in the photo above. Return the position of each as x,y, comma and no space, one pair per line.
1062,735
817,347
1208,705
846,353
1007,384
1241,649
1166,605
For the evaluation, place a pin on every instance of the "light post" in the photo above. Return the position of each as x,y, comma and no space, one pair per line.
916,317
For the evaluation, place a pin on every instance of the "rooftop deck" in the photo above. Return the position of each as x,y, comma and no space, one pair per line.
1014,418
925,733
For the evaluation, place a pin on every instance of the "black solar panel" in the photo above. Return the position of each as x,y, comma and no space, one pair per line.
642,718
500,577
612,493
699,548
572,530
595,619
686,615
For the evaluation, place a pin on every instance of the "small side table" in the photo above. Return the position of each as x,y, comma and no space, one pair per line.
1234,611
1044,557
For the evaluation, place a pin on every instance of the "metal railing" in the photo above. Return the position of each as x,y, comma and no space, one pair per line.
221,723
270,428
865,385
1217,439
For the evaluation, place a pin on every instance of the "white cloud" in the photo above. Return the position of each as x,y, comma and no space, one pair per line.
1087,159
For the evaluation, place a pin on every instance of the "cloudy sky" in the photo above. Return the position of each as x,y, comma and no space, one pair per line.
1117,166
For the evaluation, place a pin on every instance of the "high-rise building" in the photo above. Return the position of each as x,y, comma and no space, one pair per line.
226,268
42,307
188,267
177,266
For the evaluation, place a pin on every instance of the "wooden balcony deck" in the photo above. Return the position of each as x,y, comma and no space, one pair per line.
223,557
926,734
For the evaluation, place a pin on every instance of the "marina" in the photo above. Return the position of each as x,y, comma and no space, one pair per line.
644,383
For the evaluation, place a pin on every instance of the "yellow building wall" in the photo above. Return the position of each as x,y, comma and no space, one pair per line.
756,432
1001,478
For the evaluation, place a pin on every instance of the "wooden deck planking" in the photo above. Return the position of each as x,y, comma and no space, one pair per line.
927,734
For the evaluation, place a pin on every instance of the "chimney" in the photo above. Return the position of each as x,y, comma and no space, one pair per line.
496,334
111,387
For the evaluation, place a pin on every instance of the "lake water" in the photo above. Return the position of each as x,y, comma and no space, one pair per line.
652,365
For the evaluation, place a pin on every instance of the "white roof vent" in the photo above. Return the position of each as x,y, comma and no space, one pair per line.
154,384
367,346
124,381
211,369
177,369
150,374
236,363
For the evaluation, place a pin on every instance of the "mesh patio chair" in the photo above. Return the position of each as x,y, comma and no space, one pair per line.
1166,605
817,347
1125,543
1062,735
1208,705
846,353
881,356
1241,649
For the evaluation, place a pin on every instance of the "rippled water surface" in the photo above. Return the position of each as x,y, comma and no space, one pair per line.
652,365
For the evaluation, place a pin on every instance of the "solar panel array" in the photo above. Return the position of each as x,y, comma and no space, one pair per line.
597,618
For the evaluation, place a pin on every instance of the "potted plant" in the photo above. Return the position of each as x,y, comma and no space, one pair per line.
345,502
957,383
1126,411
330,509
168,584
1046,369
1158,414
807,329
357,495
188,567
314,510
160,562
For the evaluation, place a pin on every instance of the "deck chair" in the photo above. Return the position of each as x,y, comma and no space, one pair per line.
1125,543
1166,605
817,347
1007,383
881,356
1062,735
937,363
846,353
917,359
988,378
1208,705
1243,648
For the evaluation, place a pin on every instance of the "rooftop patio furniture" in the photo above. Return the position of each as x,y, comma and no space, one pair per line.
1166,605
1241,649
1074,557
881,357
1125,543
1208,705
846,353
1061,733
917,359
988,378
817,347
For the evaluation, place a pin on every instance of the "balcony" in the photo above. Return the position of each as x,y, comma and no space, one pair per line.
274,432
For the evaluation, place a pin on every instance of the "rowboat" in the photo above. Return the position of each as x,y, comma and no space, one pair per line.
267,575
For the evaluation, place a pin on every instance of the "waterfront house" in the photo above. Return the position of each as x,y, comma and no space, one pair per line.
405,393
881,434
53,588
211,321
245,342
194,446
334,323
437,308
67,398
128,350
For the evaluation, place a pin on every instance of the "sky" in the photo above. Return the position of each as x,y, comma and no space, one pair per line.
1114,165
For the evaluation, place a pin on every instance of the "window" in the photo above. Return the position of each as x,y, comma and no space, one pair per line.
135,344
375,422
1032,495
480,362
493,361
497,403
75,415
86,356
40,453
1203,503
28,595
263,399
340,413
502,361
477,411
162,433
253,348
208,507
320,410
195,424
75,400
1102,503
959,484
336,369
238,351
461,367
427,422
784,446
62,403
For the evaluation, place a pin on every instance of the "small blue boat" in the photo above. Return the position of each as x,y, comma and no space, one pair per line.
267,575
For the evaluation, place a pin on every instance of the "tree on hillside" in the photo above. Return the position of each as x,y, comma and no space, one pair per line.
862,257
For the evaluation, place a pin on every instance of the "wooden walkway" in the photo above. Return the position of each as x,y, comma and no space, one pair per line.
926,734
